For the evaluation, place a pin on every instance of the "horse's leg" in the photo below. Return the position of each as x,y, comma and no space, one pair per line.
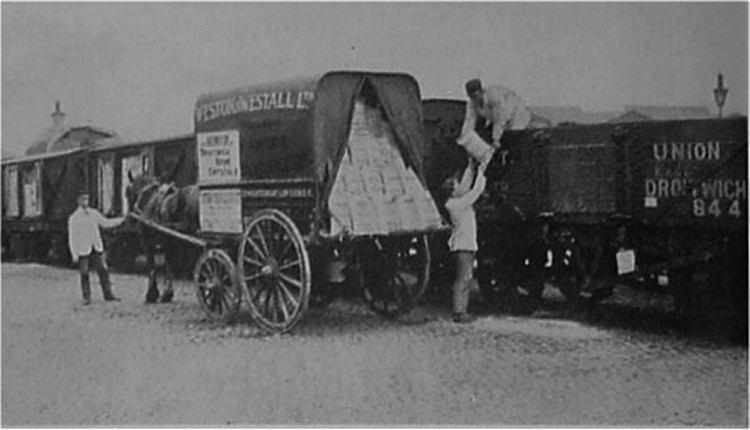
152,294
167,271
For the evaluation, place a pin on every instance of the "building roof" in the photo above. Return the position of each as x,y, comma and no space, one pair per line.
46,141
556,115
665,113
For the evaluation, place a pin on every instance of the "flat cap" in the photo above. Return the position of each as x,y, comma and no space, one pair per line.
473,85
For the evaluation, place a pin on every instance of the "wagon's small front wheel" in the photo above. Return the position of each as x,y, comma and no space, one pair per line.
216,285
394,273
274,270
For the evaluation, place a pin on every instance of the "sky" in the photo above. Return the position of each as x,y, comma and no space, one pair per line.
138,68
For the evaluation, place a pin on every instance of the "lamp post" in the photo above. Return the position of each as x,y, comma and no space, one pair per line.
720,93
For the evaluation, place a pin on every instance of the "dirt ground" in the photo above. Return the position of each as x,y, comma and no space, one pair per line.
131,364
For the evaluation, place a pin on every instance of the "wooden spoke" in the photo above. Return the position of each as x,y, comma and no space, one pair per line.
290,280
255,247
263,243
288,295
252,261
253,277
290,265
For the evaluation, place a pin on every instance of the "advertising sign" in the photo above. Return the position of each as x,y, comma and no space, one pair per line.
11,191
221,211
106,180
32,202
219,156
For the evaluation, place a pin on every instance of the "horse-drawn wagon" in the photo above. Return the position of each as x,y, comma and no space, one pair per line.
311,182
657,204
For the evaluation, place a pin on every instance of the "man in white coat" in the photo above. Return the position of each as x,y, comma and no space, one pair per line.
86,247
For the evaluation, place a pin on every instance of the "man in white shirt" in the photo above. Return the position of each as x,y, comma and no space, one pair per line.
86,246
463,240
499,106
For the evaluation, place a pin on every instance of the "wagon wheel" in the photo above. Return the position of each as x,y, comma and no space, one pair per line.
394,273
216,285
274,270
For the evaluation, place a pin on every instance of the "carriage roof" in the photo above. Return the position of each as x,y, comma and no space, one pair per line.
37,157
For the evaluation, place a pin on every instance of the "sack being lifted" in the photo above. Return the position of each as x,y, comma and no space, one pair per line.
374,192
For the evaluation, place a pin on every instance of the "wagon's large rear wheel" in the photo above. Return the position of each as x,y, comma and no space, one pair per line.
394,273
216,285
274,270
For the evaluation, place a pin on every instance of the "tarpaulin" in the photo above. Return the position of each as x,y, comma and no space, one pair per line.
334,103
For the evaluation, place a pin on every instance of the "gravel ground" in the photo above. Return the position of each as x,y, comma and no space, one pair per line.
131,364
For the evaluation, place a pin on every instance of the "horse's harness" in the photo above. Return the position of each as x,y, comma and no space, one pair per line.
152,200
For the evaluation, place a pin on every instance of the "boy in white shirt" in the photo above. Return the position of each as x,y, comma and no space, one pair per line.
463,240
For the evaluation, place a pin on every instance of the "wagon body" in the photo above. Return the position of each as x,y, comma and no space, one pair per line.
313,181
649,204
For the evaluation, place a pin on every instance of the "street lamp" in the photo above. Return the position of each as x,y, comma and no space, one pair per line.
720,93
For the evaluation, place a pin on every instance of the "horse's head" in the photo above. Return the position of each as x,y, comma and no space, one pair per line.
136,185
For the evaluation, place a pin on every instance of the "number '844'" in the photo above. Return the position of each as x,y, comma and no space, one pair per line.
702,207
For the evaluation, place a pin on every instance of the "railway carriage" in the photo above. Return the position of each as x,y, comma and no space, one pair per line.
39,194
38,197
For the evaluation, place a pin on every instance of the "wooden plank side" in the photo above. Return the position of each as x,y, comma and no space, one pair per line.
582,168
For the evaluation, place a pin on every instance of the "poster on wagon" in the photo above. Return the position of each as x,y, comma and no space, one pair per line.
219,156
221,211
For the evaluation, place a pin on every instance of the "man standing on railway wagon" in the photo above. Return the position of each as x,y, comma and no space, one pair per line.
86,246
499,106
463,239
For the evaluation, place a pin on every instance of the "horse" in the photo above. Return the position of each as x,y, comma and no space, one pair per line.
168,205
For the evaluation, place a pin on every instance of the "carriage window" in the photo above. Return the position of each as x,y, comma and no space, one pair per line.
32,196
10,191
132,166
106,184
144,163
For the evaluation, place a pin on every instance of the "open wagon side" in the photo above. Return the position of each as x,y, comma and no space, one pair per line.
309,184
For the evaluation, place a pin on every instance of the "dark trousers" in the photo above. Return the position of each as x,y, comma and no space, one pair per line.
464,278
97,259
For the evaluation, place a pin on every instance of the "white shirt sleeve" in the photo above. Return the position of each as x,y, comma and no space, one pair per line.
107,222
71,237
470,119
472,196
499,118
465,183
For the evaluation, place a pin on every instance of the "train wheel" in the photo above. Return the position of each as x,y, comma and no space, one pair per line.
218,291
394,273
274,270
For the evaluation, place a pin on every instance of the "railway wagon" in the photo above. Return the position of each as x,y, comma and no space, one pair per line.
310,182
656,205
39,194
